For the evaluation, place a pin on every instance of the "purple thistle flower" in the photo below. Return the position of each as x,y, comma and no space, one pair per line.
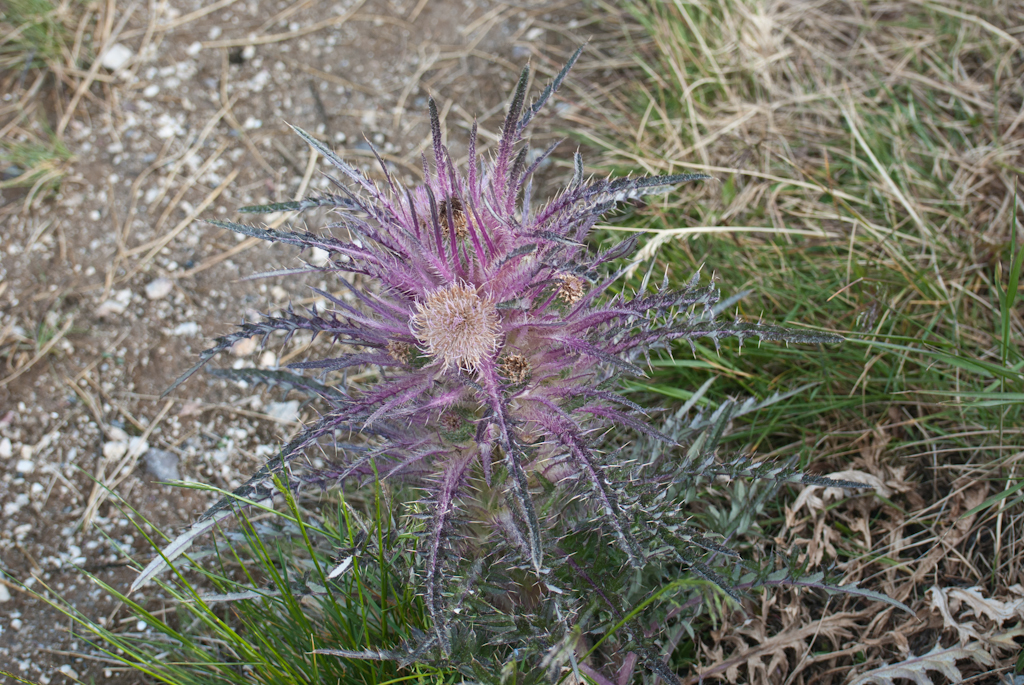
490,321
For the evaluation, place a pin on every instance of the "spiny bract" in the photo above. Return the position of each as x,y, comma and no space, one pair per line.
498,347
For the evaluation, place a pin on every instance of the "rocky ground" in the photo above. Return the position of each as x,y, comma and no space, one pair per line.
110,288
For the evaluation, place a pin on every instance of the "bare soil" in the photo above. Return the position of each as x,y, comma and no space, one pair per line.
110,288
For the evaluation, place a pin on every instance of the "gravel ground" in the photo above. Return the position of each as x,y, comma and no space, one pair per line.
110,288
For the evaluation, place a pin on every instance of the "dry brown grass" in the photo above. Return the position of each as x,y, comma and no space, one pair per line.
867,155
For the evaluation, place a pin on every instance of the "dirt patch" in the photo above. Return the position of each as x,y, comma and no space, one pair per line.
111,288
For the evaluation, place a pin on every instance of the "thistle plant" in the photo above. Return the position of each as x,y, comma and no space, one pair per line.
500,342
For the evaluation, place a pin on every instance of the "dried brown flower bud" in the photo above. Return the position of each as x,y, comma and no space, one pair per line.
571,289
458,217
515,368
400,351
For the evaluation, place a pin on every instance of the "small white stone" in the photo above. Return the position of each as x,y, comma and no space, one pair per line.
5,595
188,328
25,466
168,130
75,554
110,308
319,257
6,450
214,32
137,446
114,450
117,434
16,624
248,52
151,91
116,57
283,411
278,293
244,347
69,672
162,464
251,123
159,288
534,33
268,360
194,49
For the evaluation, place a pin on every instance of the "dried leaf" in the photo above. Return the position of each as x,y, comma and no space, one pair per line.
809,495
916,667
940,602
1000,612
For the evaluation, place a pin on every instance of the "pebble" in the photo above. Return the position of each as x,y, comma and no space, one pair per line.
137,446
319,257
188,328
75,555
6,450
16,624
115,450
5,595
69,672
159,288
283,411
244,347
25,466
116,305
110,308
162,465
12,508
116,56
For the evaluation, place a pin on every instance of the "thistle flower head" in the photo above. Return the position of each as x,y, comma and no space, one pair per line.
456,326
465,275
